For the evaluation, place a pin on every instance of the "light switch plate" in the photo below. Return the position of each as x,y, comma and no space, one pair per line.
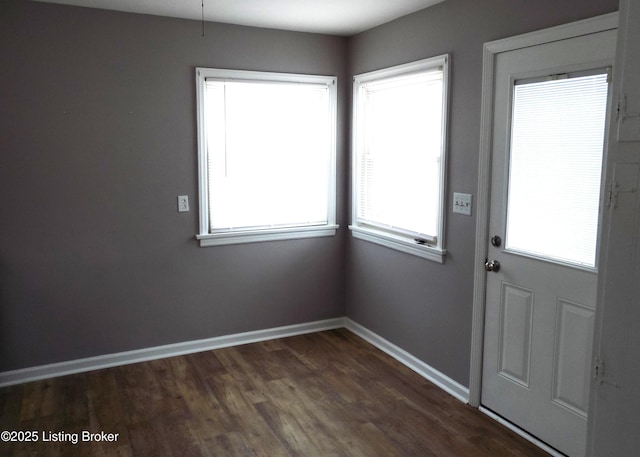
183,203
462,203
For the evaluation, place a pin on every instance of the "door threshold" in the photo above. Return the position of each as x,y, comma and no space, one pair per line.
524,434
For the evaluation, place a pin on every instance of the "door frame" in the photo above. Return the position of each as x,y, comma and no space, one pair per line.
490,52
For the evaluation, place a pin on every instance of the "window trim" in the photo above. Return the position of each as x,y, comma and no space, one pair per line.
205,236
434,251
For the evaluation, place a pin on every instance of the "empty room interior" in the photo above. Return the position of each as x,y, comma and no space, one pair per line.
133,321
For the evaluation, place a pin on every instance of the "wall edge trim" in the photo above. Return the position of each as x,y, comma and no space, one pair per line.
54,370
423,369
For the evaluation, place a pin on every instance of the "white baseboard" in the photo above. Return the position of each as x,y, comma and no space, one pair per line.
426,371
53,370
447,384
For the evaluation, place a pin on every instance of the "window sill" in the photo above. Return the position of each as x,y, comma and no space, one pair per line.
399,243
256,236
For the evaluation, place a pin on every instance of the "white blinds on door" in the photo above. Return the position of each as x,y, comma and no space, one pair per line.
557,142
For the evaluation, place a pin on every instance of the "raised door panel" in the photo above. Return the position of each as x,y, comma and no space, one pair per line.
516,317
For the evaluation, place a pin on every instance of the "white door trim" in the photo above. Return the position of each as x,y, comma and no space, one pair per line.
491,50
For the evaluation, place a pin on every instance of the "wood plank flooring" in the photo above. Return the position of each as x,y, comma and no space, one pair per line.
327,394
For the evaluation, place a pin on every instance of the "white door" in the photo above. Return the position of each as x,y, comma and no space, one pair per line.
550,108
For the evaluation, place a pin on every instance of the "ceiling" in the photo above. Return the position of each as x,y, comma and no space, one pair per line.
335,17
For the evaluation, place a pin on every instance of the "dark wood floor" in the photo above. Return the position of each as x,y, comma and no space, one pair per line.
326,394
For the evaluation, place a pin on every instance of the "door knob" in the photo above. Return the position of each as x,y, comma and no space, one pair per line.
494,265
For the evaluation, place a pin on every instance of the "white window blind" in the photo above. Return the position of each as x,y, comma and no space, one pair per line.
267,154
399,143
400,159
558,129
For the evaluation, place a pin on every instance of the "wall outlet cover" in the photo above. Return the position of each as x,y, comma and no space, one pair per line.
183,203
462,203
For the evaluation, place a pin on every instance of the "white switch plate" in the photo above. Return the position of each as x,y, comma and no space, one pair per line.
462,203
183,203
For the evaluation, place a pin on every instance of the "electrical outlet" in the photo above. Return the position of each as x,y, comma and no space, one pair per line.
183,203
462,203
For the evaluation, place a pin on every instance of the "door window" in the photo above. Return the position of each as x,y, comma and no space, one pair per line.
557,138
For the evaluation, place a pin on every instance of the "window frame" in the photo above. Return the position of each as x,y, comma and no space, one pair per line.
236,236
429,249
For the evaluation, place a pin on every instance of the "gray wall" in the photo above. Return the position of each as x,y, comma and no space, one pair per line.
97,138
424,307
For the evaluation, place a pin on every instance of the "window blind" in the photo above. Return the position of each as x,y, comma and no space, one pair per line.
400,146
268,147
557,141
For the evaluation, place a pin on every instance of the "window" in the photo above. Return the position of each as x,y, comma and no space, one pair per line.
559,120
266,156
399,157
